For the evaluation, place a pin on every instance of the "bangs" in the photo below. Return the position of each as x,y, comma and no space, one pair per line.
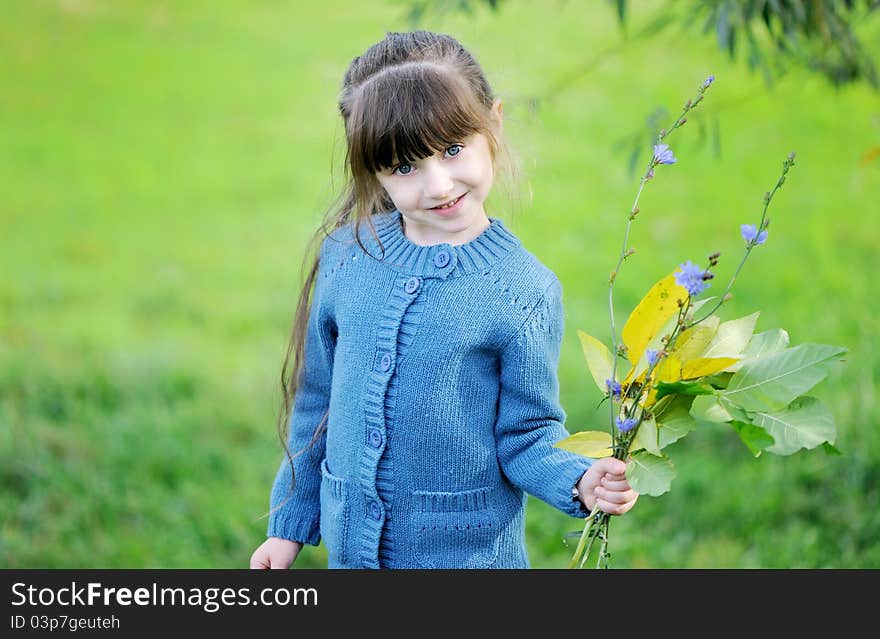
411,112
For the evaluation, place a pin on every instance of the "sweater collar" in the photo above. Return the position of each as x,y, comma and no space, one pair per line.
441,260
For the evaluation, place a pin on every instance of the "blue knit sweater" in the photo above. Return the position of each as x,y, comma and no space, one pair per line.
438,365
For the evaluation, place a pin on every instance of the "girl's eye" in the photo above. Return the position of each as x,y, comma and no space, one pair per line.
406,169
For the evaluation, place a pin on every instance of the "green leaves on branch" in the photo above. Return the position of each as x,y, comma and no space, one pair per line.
773,382
683,388
670,425
766,343
805,423
754,437
712,372
688,369
650,474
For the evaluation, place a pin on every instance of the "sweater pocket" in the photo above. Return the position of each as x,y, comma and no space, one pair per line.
334,515
454,530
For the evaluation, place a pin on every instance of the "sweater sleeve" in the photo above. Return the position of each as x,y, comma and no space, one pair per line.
530,417
295,507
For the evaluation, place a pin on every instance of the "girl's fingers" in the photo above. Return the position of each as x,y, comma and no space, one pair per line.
615,496
611,466
619,485
613,507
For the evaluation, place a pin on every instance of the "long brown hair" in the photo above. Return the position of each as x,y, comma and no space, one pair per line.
406,97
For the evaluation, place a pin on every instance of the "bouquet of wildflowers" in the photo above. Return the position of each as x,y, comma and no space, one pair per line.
687,366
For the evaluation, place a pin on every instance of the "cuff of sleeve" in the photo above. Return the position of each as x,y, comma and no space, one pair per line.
285,526
577,508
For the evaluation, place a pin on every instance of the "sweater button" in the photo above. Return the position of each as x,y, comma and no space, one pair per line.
386,362
441,259
375,510
412,285
375,438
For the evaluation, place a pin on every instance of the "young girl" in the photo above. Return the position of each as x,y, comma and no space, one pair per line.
423,374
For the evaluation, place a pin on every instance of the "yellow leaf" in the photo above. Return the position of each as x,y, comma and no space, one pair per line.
655,343
598,359
692,342
649,316
668,370
628,379
706,366
589,443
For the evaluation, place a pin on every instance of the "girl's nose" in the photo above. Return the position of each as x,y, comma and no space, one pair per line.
438,182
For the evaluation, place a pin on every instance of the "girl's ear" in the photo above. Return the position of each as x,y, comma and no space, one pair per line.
498,114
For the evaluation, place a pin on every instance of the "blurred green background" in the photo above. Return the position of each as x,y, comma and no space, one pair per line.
163,163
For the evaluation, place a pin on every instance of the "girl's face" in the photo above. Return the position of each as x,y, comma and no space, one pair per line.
441,197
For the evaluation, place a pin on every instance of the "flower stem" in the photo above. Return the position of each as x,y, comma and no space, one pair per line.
579,551
649,172
768,197
598,522
602,559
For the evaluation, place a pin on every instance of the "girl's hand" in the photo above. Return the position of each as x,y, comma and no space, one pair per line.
605,484
275,553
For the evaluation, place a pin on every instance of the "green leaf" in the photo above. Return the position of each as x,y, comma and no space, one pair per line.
650,474
647,437
766,343
683,388
598,358
762,345
772,383
675,420
830,449
732,337
718,380
671,421
589,443
717,409
709,409
755,437
805,423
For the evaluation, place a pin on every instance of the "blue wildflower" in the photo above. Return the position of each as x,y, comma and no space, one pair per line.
692,277
708,82
625,425
750,234
613,388
653,356
663,154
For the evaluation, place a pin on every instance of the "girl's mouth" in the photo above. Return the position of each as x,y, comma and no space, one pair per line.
451,207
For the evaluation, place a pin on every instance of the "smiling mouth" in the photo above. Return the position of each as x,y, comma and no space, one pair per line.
449,204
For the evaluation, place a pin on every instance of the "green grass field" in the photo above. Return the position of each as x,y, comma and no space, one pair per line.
162,165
